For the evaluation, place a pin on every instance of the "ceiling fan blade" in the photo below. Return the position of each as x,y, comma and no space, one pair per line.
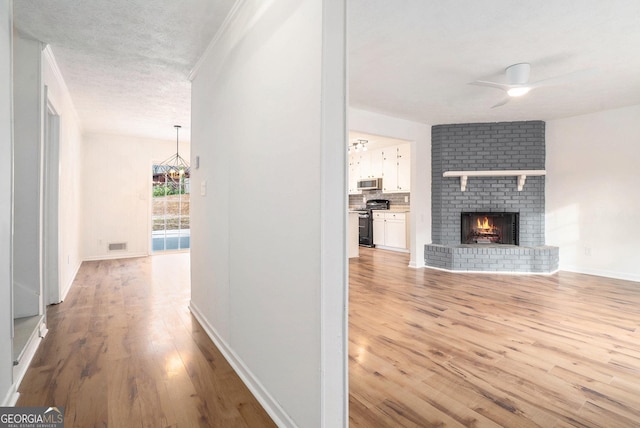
501,103
496,85
565,78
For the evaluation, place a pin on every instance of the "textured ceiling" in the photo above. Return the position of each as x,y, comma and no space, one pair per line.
126,62
414,58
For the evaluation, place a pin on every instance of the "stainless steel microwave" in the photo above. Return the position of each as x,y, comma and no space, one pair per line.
369,183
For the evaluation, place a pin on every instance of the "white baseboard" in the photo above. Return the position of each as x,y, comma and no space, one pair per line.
604,273
396,249
270,404
114,256
25,360
65,291
414,265
12,397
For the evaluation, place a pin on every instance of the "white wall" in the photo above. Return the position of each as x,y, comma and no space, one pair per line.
268,251
27,160
70,145
592,184
420,136
116,192
6,317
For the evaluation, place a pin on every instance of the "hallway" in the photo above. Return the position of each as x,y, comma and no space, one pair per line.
123,350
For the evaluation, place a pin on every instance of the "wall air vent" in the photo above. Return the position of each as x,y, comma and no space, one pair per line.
117,246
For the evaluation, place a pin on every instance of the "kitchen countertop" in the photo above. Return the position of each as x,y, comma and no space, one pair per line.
396,208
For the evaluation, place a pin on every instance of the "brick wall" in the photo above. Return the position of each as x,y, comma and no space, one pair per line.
496,258
487,146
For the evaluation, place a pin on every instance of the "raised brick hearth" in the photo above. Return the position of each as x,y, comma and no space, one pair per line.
489,147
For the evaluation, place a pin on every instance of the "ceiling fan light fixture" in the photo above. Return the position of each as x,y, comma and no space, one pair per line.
519,91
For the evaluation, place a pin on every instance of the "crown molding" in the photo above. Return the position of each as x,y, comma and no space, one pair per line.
48,55
225,24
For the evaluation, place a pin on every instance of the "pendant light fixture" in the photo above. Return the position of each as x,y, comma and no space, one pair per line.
175,168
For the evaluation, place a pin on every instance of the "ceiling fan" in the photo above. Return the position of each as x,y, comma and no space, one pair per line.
518,81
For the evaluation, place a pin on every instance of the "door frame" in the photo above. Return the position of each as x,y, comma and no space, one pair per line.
50,204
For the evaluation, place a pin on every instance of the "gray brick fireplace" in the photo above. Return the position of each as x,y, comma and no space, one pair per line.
501,146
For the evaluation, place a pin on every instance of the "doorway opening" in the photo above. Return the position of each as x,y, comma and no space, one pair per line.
170,209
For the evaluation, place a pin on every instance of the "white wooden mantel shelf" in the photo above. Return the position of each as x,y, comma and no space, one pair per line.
521,174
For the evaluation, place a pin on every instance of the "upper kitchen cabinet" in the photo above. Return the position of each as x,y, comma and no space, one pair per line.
354,173
375,159
383,157
370,163
404,167
364,164
396,169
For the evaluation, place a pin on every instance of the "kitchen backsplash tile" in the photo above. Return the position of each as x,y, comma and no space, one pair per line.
396,200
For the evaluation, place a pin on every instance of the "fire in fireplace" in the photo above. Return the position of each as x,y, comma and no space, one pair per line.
490,228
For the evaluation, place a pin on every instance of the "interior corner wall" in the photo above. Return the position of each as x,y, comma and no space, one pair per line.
420,136
116,191
70,158
6,318
259,223
591,192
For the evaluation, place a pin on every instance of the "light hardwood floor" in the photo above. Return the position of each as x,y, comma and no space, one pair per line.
124,351
427,348
430,348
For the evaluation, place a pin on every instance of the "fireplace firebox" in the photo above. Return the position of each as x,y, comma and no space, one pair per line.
490,228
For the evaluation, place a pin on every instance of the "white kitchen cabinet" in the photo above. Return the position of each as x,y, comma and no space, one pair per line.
378,229
390,230
362,165
396,166
354,230
370,163
404,168
364,161
392,163
375,163
390,169
354,173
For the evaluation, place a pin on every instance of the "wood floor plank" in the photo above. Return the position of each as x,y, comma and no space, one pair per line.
427,348
558,350
124,351
123,402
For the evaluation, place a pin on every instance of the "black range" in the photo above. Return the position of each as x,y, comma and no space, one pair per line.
365,217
